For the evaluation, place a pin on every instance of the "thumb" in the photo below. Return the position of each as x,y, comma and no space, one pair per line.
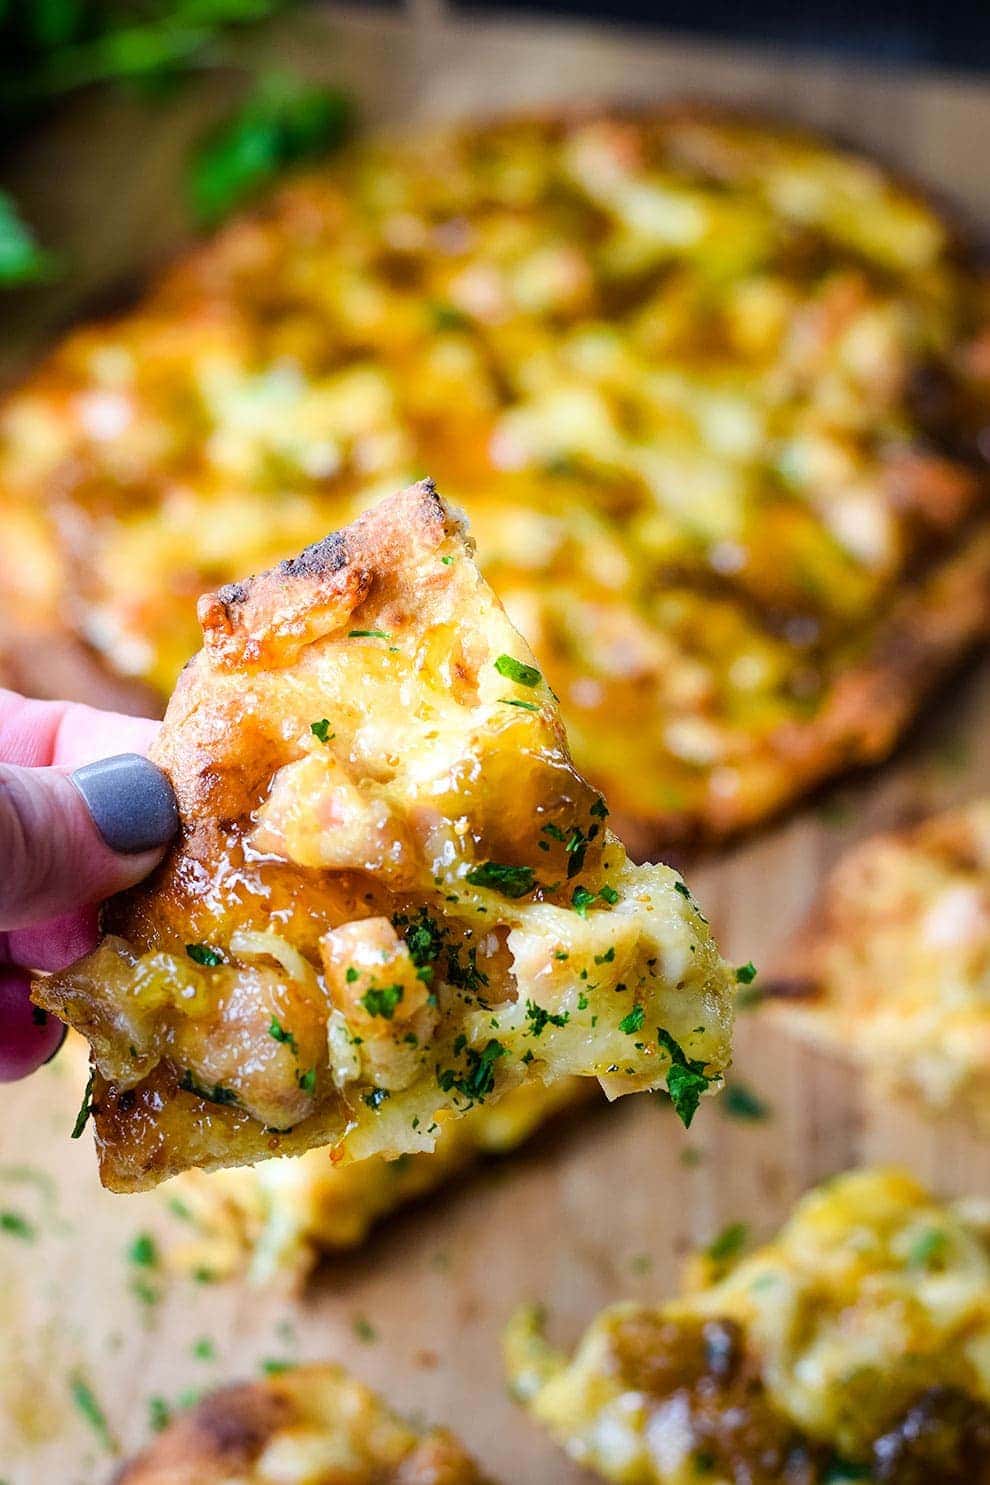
67,840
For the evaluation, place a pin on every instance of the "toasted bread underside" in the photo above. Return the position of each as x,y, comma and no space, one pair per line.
892,968
314,1424
393,897
833,1342
713,392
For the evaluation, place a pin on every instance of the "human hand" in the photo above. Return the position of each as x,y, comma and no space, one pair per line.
83,814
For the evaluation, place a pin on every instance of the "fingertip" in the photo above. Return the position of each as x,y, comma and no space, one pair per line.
29,1036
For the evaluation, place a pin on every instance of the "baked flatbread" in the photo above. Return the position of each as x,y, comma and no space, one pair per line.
854,1346
312,1423
393,898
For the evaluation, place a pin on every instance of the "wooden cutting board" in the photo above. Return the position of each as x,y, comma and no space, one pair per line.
606,1204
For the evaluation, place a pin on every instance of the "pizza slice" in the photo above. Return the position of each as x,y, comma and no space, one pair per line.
853,1347
393,897
894,969
312,1424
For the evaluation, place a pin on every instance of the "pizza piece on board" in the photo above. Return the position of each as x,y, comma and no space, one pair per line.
312,1423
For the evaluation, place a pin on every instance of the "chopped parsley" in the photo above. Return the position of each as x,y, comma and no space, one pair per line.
515,670
321,730
634,1021
143,1252
217,1094
424,940
608,894
203,954
581,900
526,706
746,973
274,1366
278,1033
539,1018
85,1108
307,1079
927,1248
740,1102
367,634
364,1330
382,1000
478,1078
159,1414
376,1097
85,1400
511,881
204,1349
582,1002
465,976
686,1078
607,957
729,1243
17,1226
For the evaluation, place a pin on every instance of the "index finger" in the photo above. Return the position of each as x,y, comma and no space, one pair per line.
39,734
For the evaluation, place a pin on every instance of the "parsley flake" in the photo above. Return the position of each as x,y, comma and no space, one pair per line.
581,900
85,1108
203,954
510,881
633,1022
686,1078
526,706
321,730
515,670
539,1018
382,1001
367,634
278,1033
746,973
728,1244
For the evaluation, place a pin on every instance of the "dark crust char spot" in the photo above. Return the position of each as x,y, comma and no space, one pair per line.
232,593
328,555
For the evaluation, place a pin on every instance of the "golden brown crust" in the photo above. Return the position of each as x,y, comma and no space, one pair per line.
709,389
310,1414
393,896
891,967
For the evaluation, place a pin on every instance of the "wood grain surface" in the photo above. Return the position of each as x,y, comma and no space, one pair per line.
603,1205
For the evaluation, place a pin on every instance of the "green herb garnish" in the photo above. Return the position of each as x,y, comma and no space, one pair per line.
510,881
307,1079
382,1001
515,670
539,1018
376,1097
367,634
729,1243
686,1078
85,1108
203,954
740,1102
927,1248
526,706
478,1079
143,1252
746,973
634,1021
217,1094
283,121
608,894
17,1226
278,1033
85,1400
581,900
321,730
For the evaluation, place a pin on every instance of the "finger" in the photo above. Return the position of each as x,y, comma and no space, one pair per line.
34,734
51,946
70,840
30,1035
